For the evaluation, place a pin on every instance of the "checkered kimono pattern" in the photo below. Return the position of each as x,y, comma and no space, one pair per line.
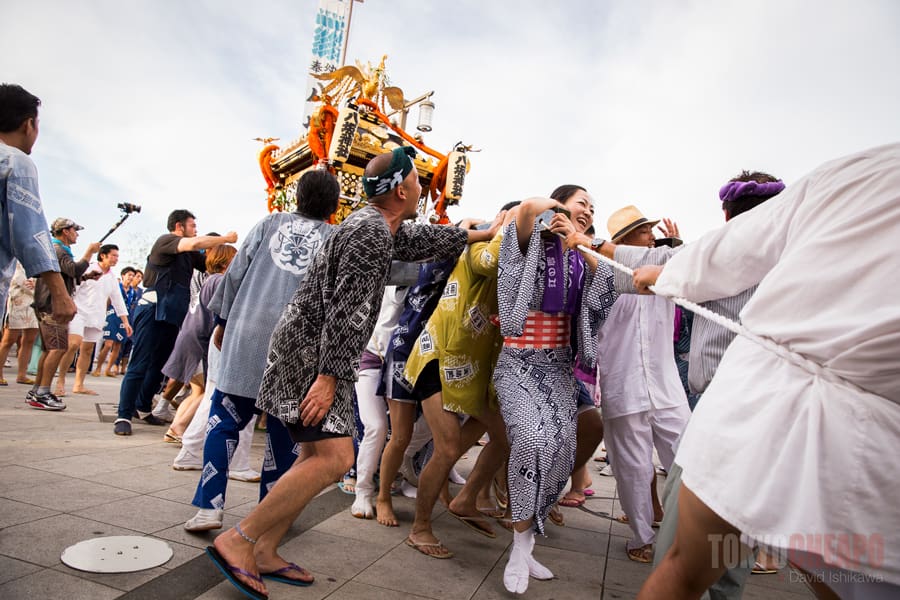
327,323
536,387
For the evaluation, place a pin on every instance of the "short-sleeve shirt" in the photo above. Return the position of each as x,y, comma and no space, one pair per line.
23,228
165,254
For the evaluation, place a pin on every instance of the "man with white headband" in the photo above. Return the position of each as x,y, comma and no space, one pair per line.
314,359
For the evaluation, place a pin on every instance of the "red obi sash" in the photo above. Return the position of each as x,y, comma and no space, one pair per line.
543,331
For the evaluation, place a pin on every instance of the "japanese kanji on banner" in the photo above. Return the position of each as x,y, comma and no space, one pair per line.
332,25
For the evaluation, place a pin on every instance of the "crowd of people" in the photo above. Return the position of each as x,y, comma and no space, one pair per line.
360,343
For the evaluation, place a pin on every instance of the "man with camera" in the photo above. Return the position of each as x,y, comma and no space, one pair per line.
158,317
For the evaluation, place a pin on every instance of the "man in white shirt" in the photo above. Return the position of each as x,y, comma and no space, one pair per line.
818,382
642,399
86,329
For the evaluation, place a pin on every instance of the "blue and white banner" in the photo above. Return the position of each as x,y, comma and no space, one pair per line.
329,42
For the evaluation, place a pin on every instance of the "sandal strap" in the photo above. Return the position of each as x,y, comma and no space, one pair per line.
288,568
247,574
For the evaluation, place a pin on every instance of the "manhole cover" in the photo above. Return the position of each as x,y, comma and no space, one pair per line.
117,554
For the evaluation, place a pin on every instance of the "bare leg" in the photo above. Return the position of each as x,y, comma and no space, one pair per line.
171,390
474,494
9,338
403,416
188,407
697,556
65,361
589,435
51,360
446,431
101,357
25,351
111,369
319,465
40,369
654,496
81,368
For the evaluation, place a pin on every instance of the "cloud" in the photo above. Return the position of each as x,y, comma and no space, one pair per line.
650,103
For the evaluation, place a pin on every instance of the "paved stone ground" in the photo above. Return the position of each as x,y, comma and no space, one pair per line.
64,478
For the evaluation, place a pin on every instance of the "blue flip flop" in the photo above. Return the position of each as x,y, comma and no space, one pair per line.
278,576
229,572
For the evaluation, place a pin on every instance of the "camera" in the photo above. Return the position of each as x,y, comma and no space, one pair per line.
128,207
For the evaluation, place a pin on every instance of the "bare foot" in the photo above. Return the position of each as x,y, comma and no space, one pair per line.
427,544
95,373
84,391
60,391
384,512
238,553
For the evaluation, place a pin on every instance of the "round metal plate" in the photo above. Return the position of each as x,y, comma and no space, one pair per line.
117,554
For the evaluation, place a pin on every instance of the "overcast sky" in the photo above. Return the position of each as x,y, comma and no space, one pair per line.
653,103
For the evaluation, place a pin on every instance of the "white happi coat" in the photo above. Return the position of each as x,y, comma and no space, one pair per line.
782,454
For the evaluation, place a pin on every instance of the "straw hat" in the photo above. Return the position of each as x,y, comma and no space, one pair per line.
624,221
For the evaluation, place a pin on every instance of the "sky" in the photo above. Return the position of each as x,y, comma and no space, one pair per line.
653,103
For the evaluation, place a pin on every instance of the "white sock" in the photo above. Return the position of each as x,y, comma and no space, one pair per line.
408,490
515,575
362,507
207,512
537,570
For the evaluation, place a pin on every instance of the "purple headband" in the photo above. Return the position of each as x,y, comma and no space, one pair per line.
738,189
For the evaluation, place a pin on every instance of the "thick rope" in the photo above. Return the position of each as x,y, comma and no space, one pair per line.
799,360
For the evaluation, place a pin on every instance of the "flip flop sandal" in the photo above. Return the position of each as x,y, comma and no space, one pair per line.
229,571
3,381
571,502
494,512
588,492
556,517
420,545
348,485
171,438
86,392
473,523
26,381
279,575
761,569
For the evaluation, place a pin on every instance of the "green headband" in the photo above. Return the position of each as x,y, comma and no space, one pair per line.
401,165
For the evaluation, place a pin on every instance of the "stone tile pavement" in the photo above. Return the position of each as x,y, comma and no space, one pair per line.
64,478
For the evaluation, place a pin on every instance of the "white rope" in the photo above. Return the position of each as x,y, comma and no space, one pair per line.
780,351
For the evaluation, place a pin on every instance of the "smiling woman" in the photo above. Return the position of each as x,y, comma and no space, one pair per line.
540,296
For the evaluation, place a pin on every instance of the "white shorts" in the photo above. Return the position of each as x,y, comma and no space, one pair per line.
88,334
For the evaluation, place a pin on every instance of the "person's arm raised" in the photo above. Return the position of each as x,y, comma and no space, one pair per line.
528,212
204,242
